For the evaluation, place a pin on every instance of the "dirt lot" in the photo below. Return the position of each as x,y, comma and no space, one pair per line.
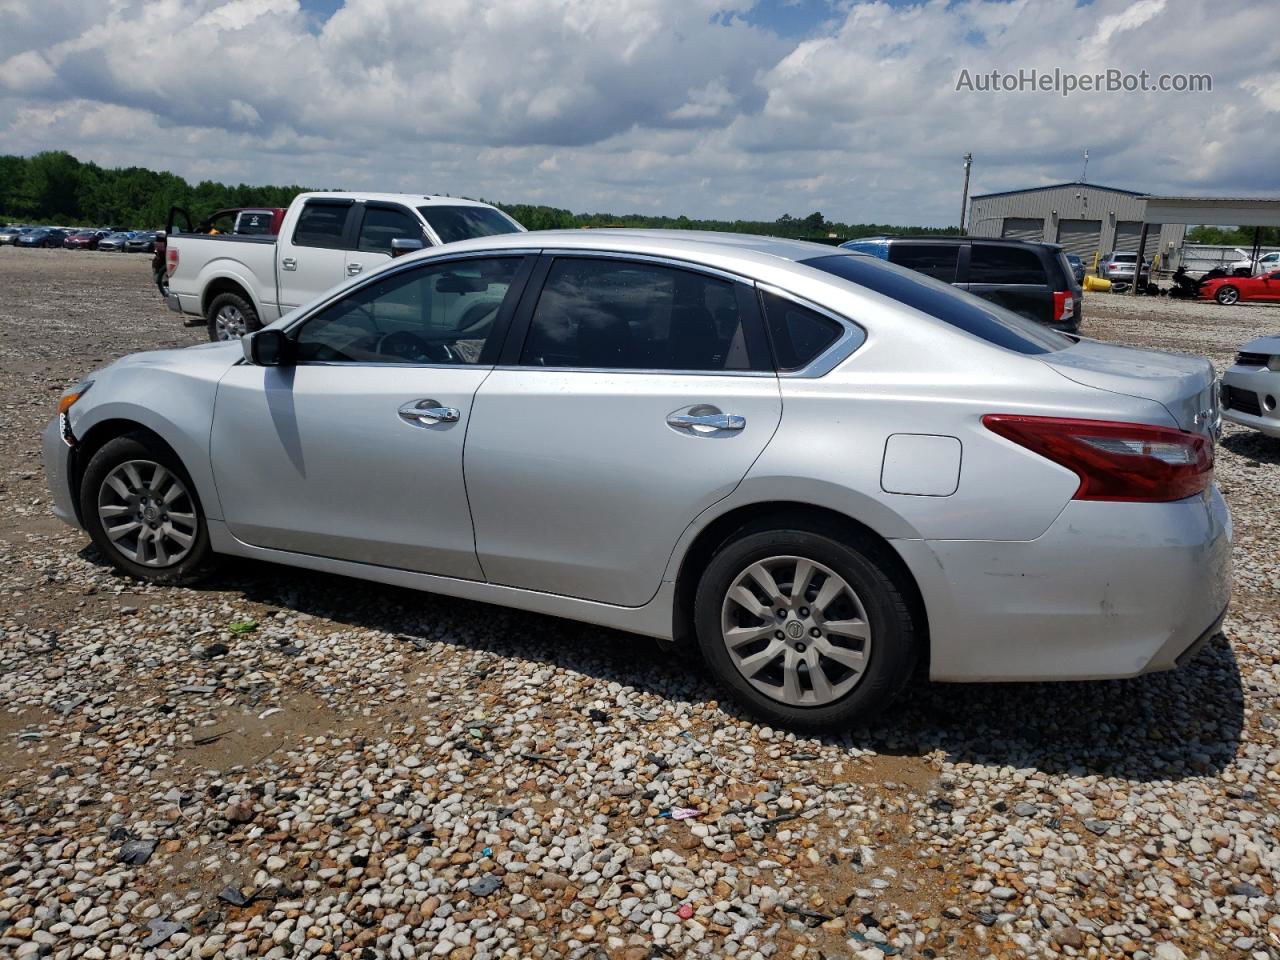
300,765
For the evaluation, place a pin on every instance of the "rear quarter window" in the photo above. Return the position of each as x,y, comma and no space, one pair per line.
321,225
943,302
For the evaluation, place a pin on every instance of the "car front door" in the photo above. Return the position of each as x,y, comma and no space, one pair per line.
354,450
312,257
1267,287
380,223
633,394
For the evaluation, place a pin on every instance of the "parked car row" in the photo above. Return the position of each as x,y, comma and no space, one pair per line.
80,238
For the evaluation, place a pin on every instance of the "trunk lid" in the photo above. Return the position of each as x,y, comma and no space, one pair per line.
1184,385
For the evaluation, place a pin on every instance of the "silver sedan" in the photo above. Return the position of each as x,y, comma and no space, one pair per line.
815,468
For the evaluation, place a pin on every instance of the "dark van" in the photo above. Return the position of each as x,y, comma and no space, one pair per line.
1031,279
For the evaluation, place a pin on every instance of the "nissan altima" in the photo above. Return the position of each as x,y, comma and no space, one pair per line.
819,470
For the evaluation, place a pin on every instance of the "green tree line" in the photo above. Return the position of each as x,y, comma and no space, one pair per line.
55,187
1233,236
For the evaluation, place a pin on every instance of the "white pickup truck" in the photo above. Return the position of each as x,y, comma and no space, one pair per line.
239,283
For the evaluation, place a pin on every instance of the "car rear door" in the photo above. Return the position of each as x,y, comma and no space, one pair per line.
633,394
379,224
937,260
1012,277
312,256
354,452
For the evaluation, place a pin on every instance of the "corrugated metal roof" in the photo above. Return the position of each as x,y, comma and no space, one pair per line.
1058,186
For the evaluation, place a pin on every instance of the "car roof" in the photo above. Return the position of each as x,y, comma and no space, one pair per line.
412,199
643,241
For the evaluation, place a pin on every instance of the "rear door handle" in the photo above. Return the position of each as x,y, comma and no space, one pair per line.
710,421
354,268
427,413
288,263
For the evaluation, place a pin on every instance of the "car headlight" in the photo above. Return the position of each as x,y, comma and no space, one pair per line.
72,394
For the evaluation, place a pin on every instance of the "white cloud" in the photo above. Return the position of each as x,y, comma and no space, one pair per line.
656,105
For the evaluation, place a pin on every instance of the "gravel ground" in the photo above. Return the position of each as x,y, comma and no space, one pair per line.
282,764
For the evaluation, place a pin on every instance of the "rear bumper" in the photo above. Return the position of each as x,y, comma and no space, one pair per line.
173,302
57,470
1109,590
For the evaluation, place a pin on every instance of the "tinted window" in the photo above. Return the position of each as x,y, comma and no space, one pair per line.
992,264
442,313
962,310
639,316
933,259
798,333
254,223
381,225
462,223
321,225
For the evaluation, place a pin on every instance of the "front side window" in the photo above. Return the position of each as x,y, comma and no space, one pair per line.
438,313
321,225
936,260
992,264
463,223
381,225
624,315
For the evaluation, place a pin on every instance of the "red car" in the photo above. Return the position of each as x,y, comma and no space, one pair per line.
1229,290
85,239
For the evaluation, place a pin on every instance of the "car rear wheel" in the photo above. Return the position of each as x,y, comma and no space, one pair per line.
230,317
140,507
803,630
1227,295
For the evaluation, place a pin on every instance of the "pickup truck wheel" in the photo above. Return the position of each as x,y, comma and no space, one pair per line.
230,317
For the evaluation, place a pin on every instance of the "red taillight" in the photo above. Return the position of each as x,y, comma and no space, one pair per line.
170,261
1116,461
1064,307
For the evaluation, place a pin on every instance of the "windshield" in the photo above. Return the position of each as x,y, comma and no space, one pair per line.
1125,258
463,223
944,302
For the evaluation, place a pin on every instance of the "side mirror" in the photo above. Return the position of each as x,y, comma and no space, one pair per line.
266,348
402,245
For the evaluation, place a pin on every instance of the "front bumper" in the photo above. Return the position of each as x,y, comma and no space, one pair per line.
1264,385
58,472
1109,590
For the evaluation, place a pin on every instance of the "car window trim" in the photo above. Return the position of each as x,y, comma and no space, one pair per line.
493,343
837,353
759,355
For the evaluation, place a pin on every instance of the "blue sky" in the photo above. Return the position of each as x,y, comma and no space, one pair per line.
711,108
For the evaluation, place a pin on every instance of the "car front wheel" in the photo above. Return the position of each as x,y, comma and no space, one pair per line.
1227,296
805,631
140,507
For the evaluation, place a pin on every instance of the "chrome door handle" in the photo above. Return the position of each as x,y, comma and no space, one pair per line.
354,268
427,413
712,421
288,263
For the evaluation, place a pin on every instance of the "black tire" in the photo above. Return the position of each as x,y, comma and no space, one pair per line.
135,447
231,302
894,636
1227,295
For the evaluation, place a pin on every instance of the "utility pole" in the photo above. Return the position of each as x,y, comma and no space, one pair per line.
964,202
1084,174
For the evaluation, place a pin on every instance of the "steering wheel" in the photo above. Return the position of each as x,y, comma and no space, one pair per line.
412,348
476,316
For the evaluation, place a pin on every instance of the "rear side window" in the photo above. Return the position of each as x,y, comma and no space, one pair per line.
994,264
381,225
955,307
799,334
321,225
621,315
937,260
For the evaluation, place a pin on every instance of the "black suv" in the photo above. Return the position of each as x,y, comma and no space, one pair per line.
1031,279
